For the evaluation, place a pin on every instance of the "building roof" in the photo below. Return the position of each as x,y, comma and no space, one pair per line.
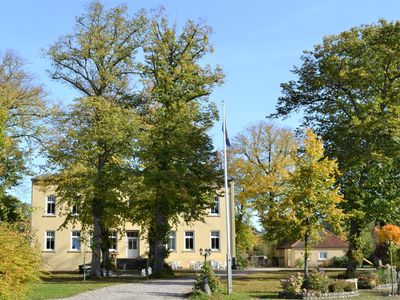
328,240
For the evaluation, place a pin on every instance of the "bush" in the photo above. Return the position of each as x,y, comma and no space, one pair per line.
382,276
318,282
299,263
340,286
339,262
213,280
19,262
292,284
367,281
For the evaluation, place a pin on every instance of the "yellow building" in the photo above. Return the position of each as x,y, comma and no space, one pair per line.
63,250
321,254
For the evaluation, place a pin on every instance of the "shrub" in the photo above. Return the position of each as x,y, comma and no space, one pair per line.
19,262
339,262
367,281
299,263
318,282
382,275
213,280
341,286
292,284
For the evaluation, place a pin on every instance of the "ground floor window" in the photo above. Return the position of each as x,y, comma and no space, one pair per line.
189,240
113,241
76,240
50,240
171,246
214,240
322,255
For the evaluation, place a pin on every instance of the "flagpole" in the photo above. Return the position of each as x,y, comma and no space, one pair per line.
227,211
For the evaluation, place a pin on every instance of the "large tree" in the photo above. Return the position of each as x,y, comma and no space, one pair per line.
312,200
348,89
260,160
22,116
179,164
94,151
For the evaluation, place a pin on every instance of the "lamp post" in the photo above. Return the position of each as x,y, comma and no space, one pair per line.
206,252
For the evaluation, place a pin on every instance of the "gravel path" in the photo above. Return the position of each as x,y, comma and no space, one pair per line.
152,289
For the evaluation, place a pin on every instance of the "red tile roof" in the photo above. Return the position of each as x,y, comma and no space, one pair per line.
328,240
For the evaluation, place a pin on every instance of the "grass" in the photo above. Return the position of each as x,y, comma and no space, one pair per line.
67,285
266,285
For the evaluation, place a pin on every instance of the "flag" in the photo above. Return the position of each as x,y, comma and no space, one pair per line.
225,131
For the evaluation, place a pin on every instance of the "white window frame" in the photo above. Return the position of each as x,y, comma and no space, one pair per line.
171,237
215,237
53,201
192,237
47,237
217,205
325,255
73,237
114,235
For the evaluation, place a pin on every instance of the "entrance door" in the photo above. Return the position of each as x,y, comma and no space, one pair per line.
132,247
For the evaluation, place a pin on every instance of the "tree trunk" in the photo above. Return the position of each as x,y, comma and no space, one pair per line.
161,230
105,251
306,240
354,249
96,242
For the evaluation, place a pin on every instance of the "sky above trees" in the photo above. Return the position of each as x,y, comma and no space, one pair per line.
256,43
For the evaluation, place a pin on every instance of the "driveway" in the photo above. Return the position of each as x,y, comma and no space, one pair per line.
152,289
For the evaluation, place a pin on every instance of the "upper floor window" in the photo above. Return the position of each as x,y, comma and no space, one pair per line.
171,246
76,240
214,240
51,205
189,240
50,240
113,241
215,208
74,210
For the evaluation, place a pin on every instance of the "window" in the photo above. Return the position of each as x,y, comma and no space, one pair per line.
189,240
50,238
76,240
113,241
132,239
51,205
74,210
171,246
323,255
214,240
215,208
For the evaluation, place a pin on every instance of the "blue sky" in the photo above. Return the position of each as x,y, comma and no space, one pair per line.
256,43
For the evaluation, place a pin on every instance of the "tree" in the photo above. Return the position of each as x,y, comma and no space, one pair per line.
390,234
93,154
348,88
19,262
312,199
260,160
179,165
23,113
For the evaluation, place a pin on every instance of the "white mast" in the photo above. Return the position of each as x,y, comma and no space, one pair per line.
227,210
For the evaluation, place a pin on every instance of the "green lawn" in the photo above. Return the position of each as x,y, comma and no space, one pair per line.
66,285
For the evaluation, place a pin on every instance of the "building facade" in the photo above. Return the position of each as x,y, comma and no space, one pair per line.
328,247
64,249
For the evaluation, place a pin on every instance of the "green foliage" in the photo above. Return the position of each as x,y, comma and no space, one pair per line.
318,282
213,281
293,284
340,286
22,116
339,261
349,94
367,281
178,164
19,262
299,262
